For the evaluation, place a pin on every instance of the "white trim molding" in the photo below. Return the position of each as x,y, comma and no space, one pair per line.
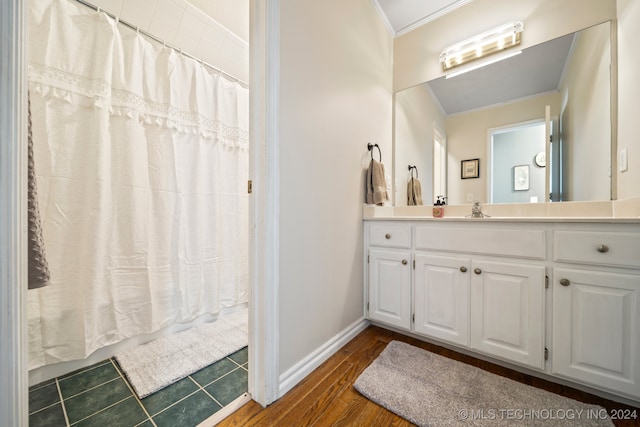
264,248
395,32
300,370
383,17
432,17
14,386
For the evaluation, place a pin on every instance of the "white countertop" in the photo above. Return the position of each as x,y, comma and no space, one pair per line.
627,211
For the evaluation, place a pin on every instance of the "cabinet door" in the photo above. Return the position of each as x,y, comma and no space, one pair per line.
390,287
441,289
507,311
596,329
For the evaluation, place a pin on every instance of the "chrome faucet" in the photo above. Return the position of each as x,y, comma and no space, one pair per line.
476,211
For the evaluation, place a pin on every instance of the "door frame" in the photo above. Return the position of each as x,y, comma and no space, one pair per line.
264,208
264,249
14,386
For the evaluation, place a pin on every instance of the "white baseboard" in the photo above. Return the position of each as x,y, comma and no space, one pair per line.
300,370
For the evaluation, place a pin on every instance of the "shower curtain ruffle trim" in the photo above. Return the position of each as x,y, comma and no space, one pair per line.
51,83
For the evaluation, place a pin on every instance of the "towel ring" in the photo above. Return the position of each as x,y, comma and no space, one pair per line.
370,147
411,168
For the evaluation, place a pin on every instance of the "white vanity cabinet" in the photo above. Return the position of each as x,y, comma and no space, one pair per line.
596,308
483,287
441,297
494,307
507,311
389,271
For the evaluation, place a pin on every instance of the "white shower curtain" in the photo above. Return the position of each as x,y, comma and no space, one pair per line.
141,158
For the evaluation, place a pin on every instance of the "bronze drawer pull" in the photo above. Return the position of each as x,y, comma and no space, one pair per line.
477,271
565,282
463,269
603,249
387,236
404,262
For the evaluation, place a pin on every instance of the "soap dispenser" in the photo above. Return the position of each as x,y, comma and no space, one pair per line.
438,209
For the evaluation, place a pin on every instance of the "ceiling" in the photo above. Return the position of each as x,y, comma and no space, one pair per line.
537,70
402,16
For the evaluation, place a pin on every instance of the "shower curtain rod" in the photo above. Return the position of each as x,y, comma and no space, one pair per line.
151,36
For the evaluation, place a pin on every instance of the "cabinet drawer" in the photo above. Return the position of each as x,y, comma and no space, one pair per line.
486,241
587,247
390,236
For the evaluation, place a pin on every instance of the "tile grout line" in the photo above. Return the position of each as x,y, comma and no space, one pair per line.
206,392
41,385
219,378
199,388
175,403
101,410
153,12
134,393
46,407
182,12
57,381
82,371
93,388
64,408
234,361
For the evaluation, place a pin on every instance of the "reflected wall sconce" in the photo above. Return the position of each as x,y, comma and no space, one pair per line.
490,42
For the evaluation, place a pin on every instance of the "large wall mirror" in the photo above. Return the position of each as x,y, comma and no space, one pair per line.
501,115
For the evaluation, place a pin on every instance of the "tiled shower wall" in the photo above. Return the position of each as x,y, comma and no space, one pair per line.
221,42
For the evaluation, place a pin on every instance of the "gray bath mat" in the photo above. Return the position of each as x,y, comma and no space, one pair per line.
157,364
431,390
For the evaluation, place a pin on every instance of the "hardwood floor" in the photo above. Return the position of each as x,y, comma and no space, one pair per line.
326,397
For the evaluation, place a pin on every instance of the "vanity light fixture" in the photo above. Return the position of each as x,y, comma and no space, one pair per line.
496,40
483,64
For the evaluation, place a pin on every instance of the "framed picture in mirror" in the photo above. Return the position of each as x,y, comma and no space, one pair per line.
521,178
470,168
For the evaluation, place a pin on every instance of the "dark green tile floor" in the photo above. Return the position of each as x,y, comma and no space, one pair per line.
100,395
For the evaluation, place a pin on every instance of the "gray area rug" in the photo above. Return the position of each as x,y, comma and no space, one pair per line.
431,390
157,364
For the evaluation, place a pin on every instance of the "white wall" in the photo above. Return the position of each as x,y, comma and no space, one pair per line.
232,14
416,114
215,31
628,95
335,97
586,94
